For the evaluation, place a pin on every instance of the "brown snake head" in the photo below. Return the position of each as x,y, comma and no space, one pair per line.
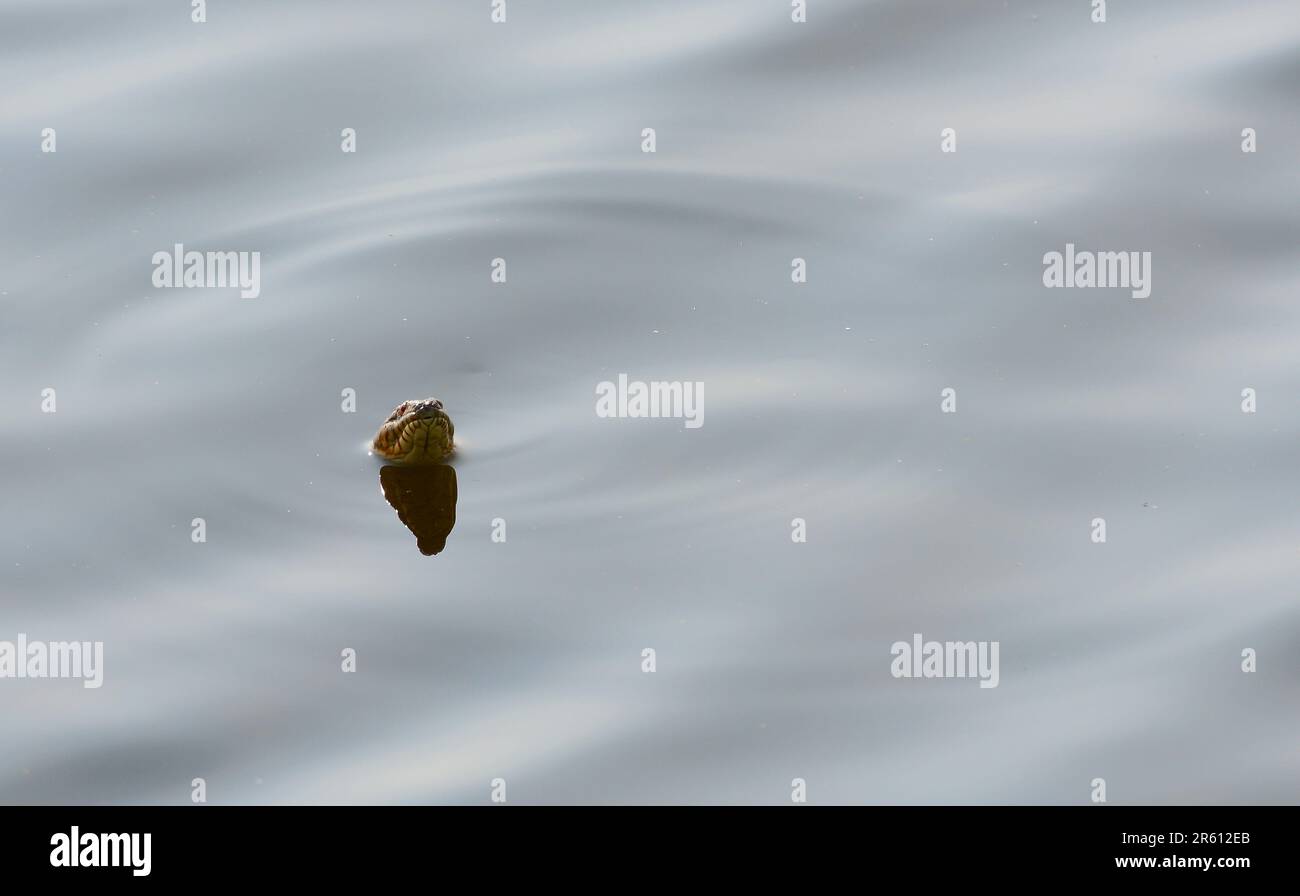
417,432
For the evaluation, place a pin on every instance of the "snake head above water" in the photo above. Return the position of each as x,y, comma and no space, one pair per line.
417,432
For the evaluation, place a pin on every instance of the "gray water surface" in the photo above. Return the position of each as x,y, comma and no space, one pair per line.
522,660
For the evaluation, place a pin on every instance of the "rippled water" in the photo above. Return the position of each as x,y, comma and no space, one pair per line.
522,660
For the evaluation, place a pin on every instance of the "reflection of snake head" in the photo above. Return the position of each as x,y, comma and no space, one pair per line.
417,432
425,500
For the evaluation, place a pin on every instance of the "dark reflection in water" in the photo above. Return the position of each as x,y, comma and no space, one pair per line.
425,500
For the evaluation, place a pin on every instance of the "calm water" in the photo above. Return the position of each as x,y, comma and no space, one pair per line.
522,660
